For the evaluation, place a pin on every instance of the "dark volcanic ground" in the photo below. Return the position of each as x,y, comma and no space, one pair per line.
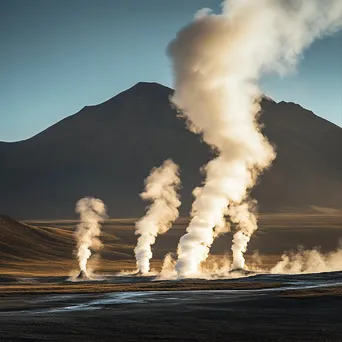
256,308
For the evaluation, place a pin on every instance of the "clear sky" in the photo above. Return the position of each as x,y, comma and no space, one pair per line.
59,55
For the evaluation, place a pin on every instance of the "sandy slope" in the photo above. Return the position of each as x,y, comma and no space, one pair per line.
37,302
46,247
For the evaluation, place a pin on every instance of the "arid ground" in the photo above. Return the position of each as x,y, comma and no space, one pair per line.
38,302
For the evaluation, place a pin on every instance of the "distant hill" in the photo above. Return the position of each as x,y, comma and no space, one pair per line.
20,242
43,242
107,150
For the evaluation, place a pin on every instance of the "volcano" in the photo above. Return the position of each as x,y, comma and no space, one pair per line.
45,175
83,276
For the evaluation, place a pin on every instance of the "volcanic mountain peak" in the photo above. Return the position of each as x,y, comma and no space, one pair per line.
150,85
107,151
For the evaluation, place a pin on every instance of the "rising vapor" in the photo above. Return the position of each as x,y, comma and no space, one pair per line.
309,261
161,189
92,212
217,61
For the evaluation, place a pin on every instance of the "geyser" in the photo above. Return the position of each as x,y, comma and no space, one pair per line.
161,189
92,212
217,62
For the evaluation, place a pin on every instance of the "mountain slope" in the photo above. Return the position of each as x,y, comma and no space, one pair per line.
107,150
20,242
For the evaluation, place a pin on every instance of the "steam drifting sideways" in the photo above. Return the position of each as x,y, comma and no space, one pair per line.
92,212
217,61
160,188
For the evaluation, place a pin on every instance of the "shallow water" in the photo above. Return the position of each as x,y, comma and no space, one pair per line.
59,303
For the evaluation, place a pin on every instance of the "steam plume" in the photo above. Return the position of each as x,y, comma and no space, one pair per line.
92,212
217,61
309,261
161,189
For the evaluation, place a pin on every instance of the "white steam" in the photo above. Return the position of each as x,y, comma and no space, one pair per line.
244,216
168,269
92,212
217,62
309,261
161,189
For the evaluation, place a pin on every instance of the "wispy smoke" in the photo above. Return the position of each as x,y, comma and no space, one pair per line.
243,215
217,61
168,269
92,212
161,189
309,261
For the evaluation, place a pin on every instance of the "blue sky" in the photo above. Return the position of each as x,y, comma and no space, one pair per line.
59,55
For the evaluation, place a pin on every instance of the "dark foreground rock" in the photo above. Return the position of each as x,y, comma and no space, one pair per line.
230,318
